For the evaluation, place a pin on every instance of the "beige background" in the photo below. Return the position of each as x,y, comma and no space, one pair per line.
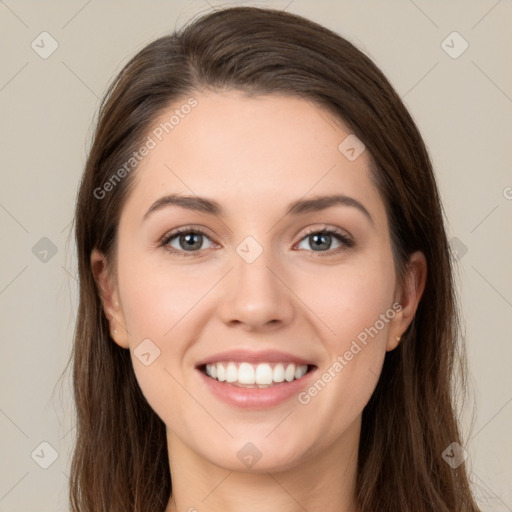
463,107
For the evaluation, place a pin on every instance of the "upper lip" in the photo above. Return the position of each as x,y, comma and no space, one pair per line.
250,356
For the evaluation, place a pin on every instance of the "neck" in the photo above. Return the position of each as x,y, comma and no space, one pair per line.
322,481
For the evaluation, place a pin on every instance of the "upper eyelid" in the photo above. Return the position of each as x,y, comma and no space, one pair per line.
326,227
185,229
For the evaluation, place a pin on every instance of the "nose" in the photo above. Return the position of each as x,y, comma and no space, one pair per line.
256,295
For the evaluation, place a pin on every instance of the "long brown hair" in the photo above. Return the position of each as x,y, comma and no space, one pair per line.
120,460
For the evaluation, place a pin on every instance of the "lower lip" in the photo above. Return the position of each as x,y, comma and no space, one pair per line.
256,398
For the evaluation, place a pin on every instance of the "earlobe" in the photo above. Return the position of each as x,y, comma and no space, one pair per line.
409,296
393,342
109,297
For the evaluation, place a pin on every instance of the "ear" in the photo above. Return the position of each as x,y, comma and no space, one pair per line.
408,295
109,294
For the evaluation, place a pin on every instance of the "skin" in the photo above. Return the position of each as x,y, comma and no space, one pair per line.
255,156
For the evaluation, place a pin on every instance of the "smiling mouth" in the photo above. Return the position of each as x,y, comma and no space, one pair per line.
262,375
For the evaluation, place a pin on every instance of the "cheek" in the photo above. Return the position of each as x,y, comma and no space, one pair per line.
354,357
162,304
348,299
354,306
157,298
341,391
159,306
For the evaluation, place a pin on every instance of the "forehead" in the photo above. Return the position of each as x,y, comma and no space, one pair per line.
242,150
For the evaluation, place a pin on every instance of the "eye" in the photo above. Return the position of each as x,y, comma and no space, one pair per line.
322,239
189,241
185,240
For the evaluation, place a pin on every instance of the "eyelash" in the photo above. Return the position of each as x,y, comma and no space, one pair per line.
339,235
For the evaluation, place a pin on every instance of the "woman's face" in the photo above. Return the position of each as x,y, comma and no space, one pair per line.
264,280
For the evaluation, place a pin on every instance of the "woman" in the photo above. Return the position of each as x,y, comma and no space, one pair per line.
267,317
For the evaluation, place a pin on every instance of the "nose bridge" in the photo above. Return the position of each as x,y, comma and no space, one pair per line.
256,294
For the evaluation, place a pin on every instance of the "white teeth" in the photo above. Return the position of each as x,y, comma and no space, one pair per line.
246,374
231,373
289,373
252,375
300,371
278,374
221,373
263,374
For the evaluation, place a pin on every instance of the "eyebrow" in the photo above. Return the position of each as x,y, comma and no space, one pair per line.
211,207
